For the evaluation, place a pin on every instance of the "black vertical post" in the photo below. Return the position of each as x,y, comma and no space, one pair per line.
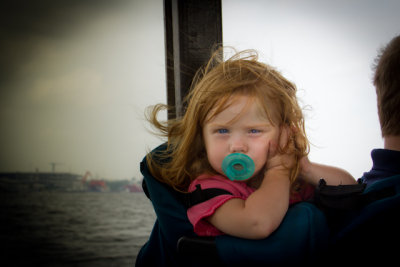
192,29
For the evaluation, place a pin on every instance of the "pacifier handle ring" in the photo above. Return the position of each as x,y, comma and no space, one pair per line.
245,163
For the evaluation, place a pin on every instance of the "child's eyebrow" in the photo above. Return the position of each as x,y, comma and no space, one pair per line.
218,125
250,125
259,125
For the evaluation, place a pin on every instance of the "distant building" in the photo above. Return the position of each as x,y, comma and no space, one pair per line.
133,188
40,181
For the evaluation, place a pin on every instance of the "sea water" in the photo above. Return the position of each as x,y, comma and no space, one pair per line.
73,229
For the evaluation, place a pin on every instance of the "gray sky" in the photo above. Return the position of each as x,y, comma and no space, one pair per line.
76,76
327,49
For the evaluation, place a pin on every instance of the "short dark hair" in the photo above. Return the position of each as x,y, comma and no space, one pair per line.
387,85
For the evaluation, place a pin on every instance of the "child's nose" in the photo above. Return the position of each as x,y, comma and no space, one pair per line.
238,145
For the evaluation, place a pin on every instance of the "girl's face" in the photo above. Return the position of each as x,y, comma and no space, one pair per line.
243,127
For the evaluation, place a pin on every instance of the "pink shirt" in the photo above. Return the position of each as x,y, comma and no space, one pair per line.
197,214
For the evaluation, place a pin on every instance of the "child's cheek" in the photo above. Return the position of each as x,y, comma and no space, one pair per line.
215,162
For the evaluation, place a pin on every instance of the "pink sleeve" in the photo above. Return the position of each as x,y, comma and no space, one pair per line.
197,214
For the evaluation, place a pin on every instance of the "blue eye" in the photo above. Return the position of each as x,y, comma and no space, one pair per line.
223,131
253,131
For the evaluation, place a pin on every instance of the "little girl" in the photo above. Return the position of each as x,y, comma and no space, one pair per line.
243,131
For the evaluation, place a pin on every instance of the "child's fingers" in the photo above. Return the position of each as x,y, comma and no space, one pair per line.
283,139
274,157
272,149
281,154
286,136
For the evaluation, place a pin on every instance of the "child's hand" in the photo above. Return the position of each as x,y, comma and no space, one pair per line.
278,160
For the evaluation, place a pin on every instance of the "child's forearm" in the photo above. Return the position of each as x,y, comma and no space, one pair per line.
268,205
274,194
313,172
260,214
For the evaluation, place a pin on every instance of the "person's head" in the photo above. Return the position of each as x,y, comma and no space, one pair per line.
387,85
243,127
232,95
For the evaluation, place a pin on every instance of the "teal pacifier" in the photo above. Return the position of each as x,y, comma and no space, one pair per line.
238,166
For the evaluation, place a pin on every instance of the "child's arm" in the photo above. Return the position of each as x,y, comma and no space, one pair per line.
313,172
262,212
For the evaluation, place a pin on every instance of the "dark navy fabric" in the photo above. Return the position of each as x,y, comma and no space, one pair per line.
171,224
386,163
302,234
372,233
